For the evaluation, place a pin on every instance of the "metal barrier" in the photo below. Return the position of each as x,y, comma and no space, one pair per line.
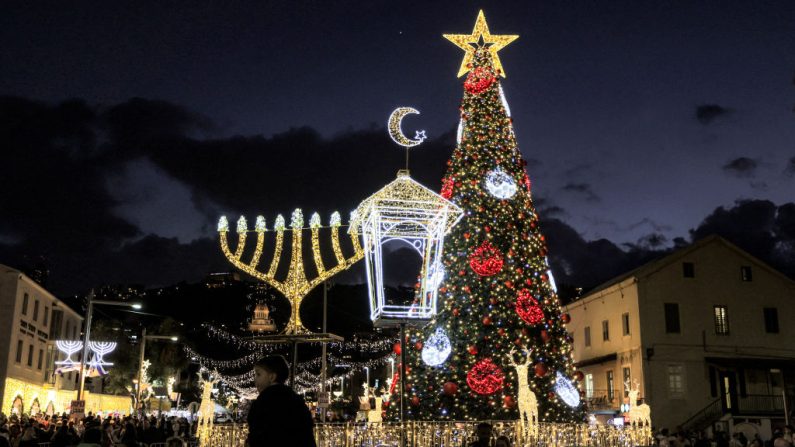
451,434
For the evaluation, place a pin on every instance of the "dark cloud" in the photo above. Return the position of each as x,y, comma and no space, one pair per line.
582,189
63,158
708,113
759,227
790,169
741,167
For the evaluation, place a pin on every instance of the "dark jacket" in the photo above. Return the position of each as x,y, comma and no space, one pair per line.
279,417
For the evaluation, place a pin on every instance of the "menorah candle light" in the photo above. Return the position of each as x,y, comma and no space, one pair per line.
296,286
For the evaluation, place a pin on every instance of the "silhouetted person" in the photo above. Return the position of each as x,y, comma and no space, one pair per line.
279,416
483,432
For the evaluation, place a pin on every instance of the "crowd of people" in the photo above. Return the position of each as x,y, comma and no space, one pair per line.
95,431
781,438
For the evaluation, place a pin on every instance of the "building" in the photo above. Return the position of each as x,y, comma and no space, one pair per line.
705,334
262,322
31,319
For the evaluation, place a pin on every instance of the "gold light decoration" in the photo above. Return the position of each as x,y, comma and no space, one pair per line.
480,37
453,434
296,285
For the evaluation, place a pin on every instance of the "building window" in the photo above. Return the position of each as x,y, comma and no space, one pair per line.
587,336
605,330
721,320
30,355
611,393
46,316
41,359
36,310
19,351
626,378
589,386
672,318
625,323
745,273
676,381
688,270
771,320
25,299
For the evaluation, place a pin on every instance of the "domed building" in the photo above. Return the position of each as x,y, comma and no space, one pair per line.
262,322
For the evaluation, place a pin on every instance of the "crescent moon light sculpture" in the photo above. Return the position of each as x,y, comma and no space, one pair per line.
396,129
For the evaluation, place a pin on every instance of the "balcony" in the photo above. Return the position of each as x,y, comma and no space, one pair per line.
760,404
604,400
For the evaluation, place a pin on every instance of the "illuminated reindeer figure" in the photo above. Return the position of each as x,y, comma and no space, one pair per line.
638,414
296,286
528,405
206,409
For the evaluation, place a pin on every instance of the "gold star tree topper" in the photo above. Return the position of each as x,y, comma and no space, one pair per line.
480,37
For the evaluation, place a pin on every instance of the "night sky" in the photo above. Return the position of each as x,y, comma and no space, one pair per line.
127,128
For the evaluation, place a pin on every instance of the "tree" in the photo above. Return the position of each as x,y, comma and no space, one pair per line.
497,303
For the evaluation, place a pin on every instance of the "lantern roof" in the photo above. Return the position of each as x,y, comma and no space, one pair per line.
411,208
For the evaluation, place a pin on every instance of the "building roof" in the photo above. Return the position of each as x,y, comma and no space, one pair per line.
652,267
6,269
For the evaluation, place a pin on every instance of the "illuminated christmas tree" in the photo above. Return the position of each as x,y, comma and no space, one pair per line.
498,309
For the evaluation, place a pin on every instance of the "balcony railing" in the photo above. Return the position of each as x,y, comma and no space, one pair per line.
760,404
604,400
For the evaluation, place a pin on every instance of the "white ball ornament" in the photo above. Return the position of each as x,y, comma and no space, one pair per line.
566,390
436,348
500,184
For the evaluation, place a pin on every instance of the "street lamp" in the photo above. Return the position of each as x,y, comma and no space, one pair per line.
145,337
87,334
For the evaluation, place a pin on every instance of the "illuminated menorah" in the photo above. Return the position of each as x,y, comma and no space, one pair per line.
296,286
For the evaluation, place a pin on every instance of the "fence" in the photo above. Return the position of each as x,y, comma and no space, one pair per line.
452,434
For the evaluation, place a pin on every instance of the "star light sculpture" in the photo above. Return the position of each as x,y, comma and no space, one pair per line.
480,37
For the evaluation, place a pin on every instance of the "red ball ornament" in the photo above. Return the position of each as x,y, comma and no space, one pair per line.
508,401
551,395
447,187
485,377
479,80
418,346
450,388
415,401
456,312
486,321
540,369
396,348
566,318
472,349
528,308
545,336
501,331
486,260
578,376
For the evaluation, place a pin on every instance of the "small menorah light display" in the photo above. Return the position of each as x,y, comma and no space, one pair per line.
296,286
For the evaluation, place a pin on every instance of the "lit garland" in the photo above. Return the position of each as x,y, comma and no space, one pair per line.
296,286
453,434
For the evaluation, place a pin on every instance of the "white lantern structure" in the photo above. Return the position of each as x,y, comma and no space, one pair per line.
408,212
